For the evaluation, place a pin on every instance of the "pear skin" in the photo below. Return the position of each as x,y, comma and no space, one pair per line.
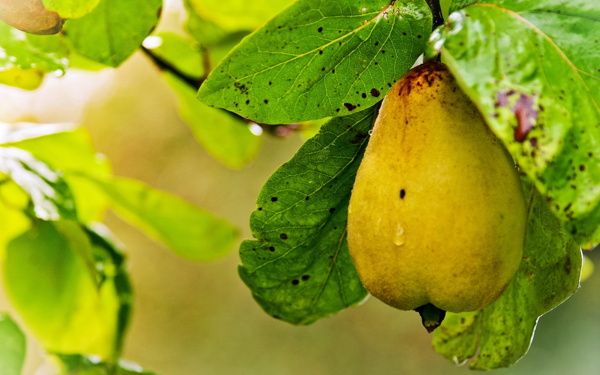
437,213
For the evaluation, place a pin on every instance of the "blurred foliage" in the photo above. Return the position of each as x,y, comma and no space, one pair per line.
12,346
76,297
285,63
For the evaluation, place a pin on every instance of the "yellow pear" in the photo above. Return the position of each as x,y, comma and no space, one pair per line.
437,214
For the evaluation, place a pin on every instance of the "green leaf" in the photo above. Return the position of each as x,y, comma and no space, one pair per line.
319,59
499,335
113,30
202,30
12,346
225,137
13,203
182,53
532,68
71,8
195,57
49,285
187,230
82,365
81,246
51,197
69,150
234,15
214,41
299,268
112,268
46,53
65,147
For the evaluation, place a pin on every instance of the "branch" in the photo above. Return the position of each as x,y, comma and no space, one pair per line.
167,67
279,130
436,10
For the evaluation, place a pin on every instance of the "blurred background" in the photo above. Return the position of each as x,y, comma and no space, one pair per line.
199,318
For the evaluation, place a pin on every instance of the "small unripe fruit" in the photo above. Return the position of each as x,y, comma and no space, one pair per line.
30,16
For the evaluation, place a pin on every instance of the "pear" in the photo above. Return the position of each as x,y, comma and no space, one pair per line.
30,16
437,214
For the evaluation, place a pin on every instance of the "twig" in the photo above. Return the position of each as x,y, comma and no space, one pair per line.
278,130
436,10
165,66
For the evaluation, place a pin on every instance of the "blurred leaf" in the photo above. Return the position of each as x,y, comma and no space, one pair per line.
66,148
299,268
204,31
320,59
532,68
225,137
20,131
46,53
51,197
81,365
26,79
214,40
69,150
233,15
445,5
113,30
12,346
111,266
182,53
76,61
312,128
218,51
499,335
187,230
13,203
49,285
71,8
81,246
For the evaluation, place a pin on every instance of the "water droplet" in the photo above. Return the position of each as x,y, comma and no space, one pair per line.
371,132
399,236
59,73
152,42
255,129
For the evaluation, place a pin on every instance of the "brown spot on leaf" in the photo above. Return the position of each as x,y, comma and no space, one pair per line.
349,107
503,98
526,116
243,89
534,142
